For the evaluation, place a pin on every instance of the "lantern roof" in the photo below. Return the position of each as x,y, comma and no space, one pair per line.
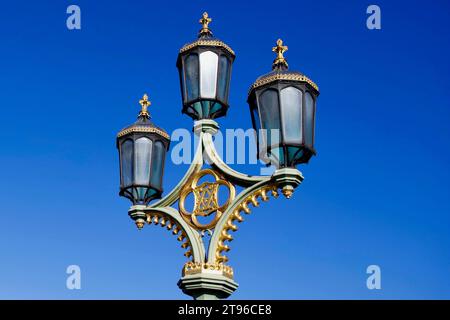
143,123
206,38
280,71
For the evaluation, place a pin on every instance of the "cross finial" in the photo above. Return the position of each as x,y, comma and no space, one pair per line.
205,21
145,103
280,60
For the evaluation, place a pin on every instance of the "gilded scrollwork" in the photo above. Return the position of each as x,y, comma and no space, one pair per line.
171,225
230,225
283,76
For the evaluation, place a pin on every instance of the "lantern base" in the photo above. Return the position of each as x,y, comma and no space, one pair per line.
287,180
137,213
207,126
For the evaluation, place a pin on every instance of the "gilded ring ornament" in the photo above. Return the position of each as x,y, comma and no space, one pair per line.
207,43
138,129
206,199
196,268
283,76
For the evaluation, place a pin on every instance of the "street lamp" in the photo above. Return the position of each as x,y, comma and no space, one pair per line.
282,102
282,105
205,72
142,150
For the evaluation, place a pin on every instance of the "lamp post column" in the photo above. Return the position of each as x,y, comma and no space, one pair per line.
205,281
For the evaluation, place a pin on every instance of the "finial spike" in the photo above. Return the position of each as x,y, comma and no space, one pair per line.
280,60
145,103
205,21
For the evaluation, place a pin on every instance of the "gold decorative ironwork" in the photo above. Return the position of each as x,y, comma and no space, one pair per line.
280,50
143,129
206,199
140,223
170,224
205,21
287,191
280,60
207,42
199,267
145,103
283,76
230,225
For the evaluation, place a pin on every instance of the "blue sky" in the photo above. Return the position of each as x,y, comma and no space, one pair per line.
377,193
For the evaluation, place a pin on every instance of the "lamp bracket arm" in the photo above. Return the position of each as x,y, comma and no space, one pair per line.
174,194
238,178
250,195
170,218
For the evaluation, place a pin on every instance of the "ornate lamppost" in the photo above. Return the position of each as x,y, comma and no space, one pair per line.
282,105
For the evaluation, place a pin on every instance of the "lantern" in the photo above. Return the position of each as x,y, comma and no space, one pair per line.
283,106
205,71
142,151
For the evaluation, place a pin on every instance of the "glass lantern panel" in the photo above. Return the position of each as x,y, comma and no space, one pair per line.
198,109
208,74
309,119
255,117
291,112
294,154
206,108
270,117
150,193
139,194
182,84
223,78
126,157
191,111
158,164
216,106
191,69
276,157
256,121
142,158
259,135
